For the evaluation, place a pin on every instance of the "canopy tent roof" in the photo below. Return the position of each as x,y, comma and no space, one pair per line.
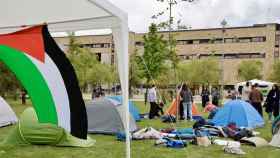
259,82
73,15
62,15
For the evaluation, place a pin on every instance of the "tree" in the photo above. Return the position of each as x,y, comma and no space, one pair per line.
152,62
203,71
8,82
169,25
250,69
88,69
134,72
275,75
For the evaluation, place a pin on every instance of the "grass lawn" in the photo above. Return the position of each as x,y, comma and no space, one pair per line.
108,147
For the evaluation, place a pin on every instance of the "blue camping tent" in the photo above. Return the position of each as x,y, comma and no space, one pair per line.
132,109
239,112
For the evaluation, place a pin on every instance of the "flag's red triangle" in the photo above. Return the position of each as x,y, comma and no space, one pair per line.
29,41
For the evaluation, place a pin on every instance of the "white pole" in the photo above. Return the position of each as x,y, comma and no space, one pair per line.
121,34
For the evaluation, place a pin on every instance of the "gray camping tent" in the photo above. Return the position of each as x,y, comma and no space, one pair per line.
106,118
7,115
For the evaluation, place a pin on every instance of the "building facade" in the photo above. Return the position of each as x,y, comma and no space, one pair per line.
231,45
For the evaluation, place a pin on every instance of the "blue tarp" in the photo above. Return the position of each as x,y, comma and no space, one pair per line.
239,112
132,109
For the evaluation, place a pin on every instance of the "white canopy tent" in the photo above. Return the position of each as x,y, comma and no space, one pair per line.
73,15
261,83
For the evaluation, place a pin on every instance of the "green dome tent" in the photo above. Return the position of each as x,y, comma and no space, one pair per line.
30,131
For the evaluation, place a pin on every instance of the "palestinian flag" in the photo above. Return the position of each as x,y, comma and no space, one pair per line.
48,76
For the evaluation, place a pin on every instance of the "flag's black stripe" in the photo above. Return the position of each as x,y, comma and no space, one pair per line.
77,105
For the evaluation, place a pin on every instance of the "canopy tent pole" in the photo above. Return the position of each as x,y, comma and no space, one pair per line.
77,15
121,44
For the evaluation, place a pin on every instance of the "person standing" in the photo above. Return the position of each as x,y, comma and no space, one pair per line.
240,90
152,99
245,92
180,103
256,99
272,102
93,94
187,100
234,94
23,96
204,96
215,96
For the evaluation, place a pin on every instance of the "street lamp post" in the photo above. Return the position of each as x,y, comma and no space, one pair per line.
223,23
170,24
171,3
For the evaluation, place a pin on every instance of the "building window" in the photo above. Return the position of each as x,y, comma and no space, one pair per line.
181,42
183,57
96,45
106,45
234,55
257,55
235,40
219,40
229,40
230,56
244,40
187,57
184,42
244,56
276,54
278,27
258,39
138,43
204,41
195,41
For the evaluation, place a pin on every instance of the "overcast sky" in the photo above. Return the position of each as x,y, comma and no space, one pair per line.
203,13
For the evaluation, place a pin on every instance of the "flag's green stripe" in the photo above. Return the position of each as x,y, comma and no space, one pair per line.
33,81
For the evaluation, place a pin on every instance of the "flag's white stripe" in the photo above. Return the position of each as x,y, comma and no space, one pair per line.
58,90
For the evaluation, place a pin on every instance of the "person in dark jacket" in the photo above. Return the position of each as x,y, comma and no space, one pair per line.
204,96
215,96
256,99
187,99
272,102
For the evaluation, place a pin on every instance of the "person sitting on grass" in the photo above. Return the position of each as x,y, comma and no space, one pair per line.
160,108
212,109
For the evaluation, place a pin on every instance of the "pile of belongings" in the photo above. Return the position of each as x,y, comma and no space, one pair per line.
182,134
204,130
232,131
231,147
171,143
147,133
